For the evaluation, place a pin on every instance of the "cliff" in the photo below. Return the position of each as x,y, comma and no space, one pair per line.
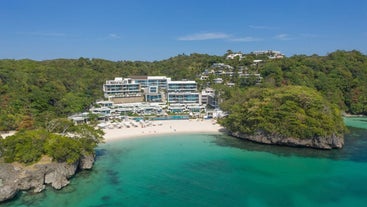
329,142
15,177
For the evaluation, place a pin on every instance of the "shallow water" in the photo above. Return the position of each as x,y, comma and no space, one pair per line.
215,170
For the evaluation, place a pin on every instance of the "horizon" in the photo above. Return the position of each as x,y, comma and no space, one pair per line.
151,61
153,31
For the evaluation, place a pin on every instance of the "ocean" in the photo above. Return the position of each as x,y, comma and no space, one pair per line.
216,170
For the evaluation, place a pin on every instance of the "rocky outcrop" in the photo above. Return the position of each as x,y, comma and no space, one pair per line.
330,142
8,187
86,162
16,177
59,175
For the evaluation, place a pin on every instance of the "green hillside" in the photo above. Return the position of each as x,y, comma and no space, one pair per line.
32,92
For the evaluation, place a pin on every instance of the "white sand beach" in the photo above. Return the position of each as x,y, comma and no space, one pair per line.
163,127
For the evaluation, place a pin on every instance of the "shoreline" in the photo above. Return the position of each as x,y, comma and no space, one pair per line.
163,127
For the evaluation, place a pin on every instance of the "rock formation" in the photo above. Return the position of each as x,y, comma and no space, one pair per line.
314,142
16,177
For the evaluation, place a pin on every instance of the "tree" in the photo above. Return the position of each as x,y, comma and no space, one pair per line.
291,111
24,146
63,149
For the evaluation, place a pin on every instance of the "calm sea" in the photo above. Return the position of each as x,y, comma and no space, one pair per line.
216,170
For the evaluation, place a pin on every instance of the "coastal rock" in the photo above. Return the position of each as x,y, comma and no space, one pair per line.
8,187
7,192
329,142
86,162
58,176
15,177
30,179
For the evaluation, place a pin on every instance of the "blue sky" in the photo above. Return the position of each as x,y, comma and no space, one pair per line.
158,29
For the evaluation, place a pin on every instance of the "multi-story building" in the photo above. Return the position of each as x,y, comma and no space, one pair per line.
153,94
272,54
153,86
124,90
181,86
183,97
205,95
121,87
146,81
182,92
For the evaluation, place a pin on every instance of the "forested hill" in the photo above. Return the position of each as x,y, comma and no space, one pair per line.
32,92
340,76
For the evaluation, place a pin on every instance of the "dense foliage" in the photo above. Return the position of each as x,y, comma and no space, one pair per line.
34,92
28,146
341,77
290,111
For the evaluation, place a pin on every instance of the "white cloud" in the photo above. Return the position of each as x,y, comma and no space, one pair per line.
204,36
246,39
114,36
283,37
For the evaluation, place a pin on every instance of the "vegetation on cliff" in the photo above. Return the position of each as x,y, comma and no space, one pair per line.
289,111
28,146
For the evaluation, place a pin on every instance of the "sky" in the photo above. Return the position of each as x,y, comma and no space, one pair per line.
150,30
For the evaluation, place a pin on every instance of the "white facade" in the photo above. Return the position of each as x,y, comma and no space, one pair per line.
234,55
183,92
182,86
121,87
177,91
205,95
146,81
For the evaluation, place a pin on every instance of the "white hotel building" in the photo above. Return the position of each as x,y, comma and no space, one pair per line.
121,87
182,92
146,81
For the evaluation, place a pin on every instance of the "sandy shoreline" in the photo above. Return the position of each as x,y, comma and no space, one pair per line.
158,128
163,127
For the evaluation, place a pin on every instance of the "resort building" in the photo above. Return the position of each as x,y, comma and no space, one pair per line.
153,86
218,80
205,94
146,81
121,87
235,55
272,54
213,101
151,89
153,94
183,97
182,92
103,111
181,86
104,103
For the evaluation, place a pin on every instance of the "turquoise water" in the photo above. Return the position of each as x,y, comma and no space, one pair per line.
215,170
161,118
172,117
360,122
